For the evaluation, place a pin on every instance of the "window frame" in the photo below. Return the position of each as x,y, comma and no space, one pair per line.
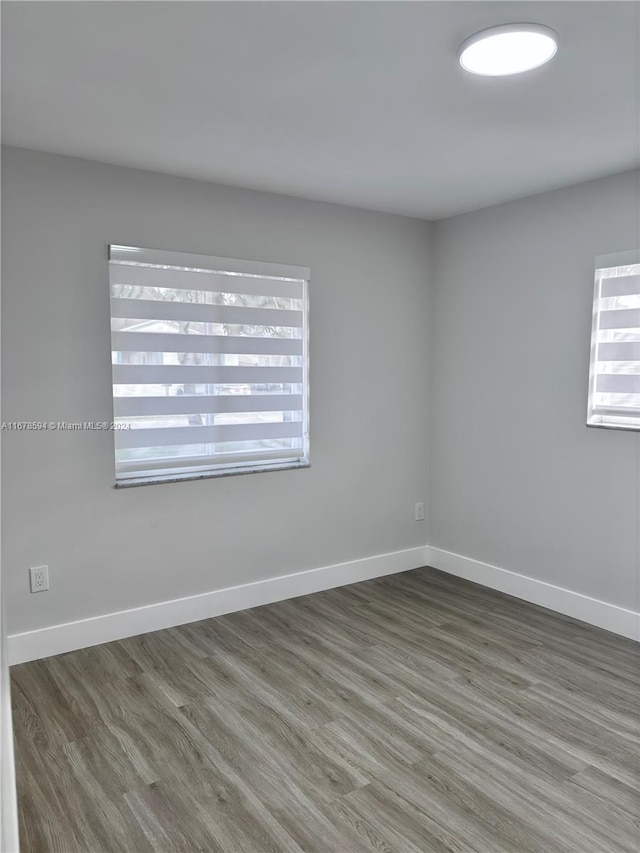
603,417
179,469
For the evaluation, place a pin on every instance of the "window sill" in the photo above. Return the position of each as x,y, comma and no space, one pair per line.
619,427
206,475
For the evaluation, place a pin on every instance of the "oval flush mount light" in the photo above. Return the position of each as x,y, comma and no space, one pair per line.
508,49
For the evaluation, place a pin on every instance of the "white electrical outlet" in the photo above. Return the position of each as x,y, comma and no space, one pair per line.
39,577
419,511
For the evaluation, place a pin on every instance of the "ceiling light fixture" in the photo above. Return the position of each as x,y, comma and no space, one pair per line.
508,49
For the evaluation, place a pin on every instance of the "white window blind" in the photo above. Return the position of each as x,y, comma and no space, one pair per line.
209,361
614,381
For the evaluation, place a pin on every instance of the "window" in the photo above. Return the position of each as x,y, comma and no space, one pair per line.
209,361
614,381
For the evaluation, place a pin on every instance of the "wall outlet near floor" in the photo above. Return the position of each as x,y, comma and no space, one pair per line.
419,511
39,577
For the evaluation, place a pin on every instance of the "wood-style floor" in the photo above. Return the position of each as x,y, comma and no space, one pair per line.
411,714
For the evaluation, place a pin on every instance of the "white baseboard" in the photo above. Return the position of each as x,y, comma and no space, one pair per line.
67,637
612,618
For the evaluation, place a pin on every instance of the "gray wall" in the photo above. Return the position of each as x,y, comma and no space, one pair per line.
503,321
9,840
517,479
109,550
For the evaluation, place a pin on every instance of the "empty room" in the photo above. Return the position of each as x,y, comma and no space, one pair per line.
320,427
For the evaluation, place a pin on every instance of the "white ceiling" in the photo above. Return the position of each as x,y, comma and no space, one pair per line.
361,103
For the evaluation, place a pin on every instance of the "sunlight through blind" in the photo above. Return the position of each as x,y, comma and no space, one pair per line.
209,361
614,382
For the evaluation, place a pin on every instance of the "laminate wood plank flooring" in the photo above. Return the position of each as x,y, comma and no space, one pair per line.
417,713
